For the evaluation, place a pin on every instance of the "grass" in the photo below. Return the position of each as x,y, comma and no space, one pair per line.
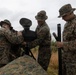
53,66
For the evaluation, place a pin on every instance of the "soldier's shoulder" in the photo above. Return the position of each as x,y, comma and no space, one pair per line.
46,27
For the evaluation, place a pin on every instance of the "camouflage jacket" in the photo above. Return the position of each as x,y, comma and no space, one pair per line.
7,37
69,38
43,36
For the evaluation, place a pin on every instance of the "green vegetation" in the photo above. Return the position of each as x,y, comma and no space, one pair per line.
53,46
53,65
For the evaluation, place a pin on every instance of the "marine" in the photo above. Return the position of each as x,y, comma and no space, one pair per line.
43,40
7,37
69,40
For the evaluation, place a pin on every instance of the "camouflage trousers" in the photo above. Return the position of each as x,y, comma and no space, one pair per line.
44,56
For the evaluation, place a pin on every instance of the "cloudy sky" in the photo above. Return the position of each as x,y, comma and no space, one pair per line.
14,10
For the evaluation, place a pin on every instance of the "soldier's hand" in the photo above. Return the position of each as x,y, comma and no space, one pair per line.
2,28
24,43
59,44
19,33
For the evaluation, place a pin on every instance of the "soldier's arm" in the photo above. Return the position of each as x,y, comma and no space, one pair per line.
71,45
40,38
11,37
14,38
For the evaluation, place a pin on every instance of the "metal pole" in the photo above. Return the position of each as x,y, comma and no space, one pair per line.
59,50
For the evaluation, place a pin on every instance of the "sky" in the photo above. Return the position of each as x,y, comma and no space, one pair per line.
14,10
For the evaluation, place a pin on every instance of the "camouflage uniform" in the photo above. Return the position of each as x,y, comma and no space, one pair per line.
7,37
69,38
24,65
43,40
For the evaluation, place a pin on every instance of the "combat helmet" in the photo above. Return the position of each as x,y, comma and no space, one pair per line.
65,10
41,15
